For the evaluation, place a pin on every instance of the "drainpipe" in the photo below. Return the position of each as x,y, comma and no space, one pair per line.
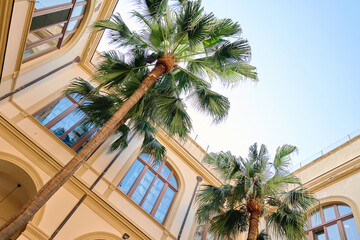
198,179
76,60
85,195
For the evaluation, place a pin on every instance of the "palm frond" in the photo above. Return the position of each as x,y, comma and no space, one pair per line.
225,163
230,223
282,158
121,142
80,87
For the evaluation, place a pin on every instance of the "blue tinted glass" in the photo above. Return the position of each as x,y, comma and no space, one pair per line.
49,3
343,210
351,230
315,219
329,213
87,141
156,166
61,127
333,232
77,97
75,135
173,181
50,113
320,235
165,172
72,25
145,157
77,11
131,176
143,187
164,205
153,195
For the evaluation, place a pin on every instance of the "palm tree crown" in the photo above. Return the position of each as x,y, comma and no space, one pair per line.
193,47
179,42
255,187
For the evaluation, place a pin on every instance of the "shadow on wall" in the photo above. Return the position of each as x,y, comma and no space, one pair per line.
16,188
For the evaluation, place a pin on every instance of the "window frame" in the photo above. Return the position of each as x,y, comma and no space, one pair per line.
167,184
338,220
60,36
62,115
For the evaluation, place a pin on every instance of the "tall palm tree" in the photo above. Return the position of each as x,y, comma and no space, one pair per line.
255,187
182,43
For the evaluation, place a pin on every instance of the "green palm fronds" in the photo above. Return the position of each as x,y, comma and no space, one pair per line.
255,180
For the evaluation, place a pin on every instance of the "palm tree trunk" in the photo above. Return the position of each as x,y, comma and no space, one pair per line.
163,66
254,206
253,226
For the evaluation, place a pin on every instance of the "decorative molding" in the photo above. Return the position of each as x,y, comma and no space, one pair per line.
6,8
190,160
310,164
50,166
33,232
334,175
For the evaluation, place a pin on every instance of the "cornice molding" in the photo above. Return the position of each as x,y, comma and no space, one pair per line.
33,232
334,175
310,164
186,156
74,185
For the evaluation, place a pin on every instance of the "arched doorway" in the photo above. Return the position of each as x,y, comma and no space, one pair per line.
16,188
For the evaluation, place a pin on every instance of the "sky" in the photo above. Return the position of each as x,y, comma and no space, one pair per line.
307,58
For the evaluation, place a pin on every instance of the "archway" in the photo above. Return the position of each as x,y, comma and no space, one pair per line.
16,188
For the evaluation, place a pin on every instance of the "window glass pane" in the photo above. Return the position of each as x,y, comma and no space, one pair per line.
329,213
49,19
315,219
319,234
351,230
143,187
66,39
41,48
343,210
131,176
86,141
61,127
79,10
49,3
164,205
76,134
153,195
72,25
145,157
28,52
165,172
51,112
156,166
333,232
44,33
173,181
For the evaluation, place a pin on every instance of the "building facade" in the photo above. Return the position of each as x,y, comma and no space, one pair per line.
51,43
44,45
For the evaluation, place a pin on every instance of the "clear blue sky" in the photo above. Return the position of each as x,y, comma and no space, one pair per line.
307,55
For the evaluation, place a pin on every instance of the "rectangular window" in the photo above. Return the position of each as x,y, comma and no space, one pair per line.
64,120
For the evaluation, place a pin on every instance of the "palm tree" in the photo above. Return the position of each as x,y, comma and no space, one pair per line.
182,43
255,187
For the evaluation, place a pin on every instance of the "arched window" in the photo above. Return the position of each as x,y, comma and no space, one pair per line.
52,26
63,119
152,188
333,222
